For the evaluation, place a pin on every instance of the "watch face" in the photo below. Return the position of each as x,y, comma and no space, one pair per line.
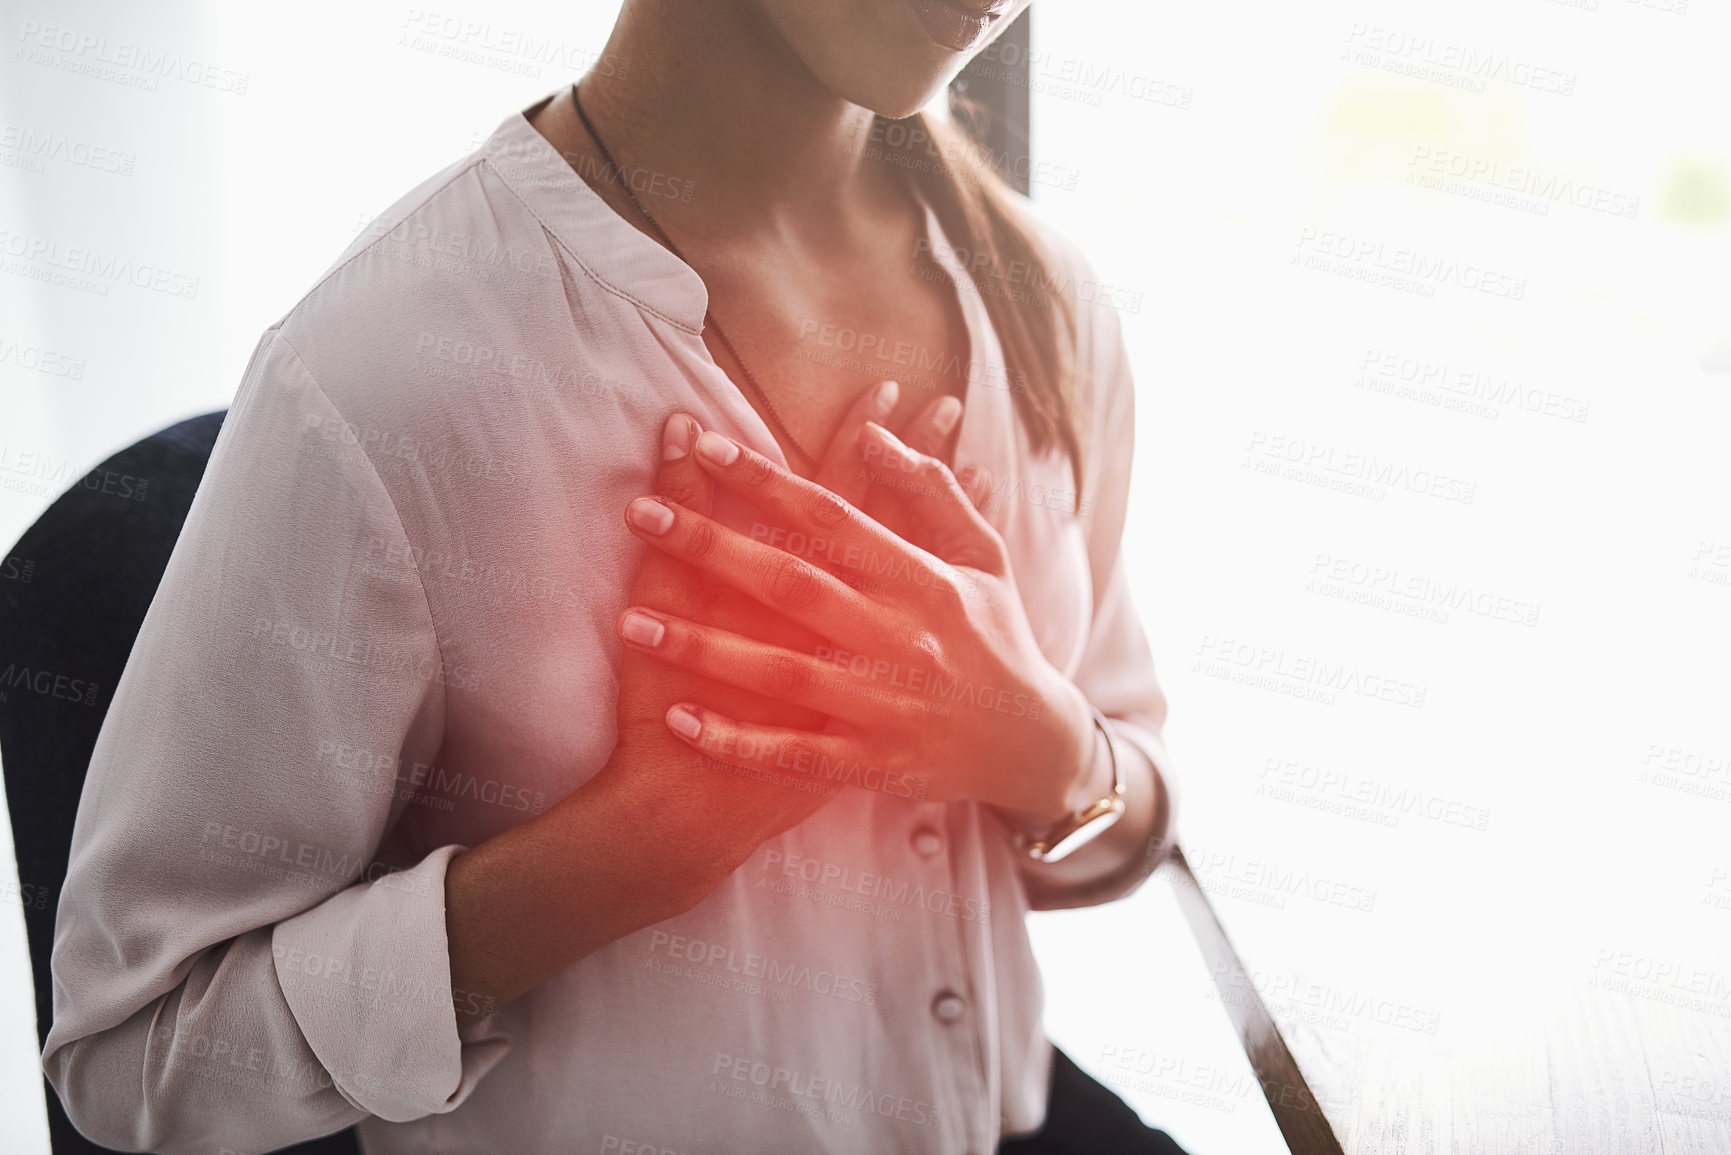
1083,834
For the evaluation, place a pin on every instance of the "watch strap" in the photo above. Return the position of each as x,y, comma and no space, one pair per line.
1080,827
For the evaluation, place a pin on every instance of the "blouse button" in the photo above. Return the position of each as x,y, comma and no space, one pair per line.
948,1007
927,842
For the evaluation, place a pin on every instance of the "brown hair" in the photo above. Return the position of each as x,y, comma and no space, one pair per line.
1011,269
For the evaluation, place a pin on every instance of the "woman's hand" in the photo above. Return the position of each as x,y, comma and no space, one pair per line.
657,828
651,757
928,676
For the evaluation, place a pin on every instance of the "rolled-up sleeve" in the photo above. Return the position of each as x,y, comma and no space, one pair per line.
1116,672
236,963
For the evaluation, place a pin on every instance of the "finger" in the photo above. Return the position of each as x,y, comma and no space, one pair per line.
828,761
929,432
839,471
810,521
722,656
679,477
780,580
799,506
977,483
955,530
806,753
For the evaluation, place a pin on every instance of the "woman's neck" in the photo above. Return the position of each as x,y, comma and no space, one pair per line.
707,94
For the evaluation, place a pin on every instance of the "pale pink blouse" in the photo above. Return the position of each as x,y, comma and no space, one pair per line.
387,634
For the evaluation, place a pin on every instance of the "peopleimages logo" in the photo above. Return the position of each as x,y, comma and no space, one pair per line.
39,146
766,760
481,42
1357,796
1038,280
1454,64
896,893
1400,266
48,684
1353,472
105,58
1419,595
800,1088
47,256
750,964
1434,167
1076,78
1461,388
359,653
917,680
1300,675
40,360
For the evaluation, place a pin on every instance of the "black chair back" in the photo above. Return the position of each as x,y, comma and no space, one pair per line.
73,593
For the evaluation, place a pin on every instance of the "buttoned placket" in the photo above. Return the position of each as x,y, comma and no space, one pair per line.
988,420
952,1016
987,424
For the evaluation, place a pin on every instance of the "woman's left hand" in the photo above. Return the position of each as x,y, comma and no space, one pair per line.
934,687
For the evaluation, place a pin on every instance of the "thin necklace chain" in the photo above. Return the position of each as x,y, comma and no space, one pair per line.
768,407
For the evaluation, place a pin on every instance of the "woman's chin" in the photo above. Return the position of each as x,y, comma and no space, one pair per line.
890,95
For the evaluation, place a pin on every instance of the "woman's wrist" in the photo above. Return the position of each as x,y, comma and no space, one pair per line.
1094,780
1112,864
1077,777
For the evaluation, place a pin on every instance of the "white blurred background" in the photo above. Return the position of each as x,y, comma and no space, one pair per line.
1430,308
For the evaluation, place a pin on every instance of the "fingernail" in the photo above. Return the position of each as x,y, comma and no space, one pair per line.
683,722
641,629
676,438
716,449
650,515
948,412
884,399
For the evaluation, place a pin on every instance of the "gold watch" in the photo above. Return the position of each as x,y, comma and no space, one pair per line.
1076,830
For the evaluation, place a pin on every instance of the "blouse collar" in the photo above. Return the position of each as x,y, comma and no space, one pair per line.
635,267
605,244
